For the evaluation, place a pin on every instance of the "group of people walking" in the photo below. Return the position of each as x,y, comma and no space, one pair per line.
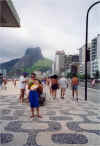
35,89
54,83
3,82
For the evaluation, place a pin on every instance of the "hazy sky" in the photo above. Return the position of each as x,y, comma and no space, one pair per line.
51,24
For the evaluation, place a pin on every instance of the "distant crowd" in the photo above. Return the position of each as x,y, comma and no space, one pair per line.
3,82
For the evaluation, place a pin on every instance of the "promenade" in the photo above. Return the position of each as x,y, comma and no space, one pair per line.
64,122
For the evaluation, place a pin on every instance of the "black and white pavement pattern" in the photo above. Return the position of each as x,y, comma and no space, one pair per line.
64,122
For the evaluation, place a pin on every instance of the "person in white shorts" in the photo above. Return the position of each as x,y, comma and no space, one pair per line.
22,86
63,85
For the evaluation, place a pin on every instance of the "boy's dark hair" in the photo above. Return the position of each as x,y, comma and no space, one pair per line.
74,75
33,74
25,74
55,76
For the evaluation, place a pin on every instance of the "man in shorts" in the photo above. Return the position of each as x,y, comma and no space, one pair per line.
22,86
54,85
63,85
75,83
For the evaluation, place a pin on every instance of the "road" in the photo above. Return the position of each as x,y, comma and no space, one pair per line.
92,94
97,85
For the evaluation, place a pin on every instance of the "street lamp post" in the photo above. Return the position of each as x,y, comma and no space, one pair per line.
86,46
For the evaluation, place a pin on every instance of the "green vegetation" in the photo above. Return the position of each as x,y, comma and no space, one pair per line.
41,65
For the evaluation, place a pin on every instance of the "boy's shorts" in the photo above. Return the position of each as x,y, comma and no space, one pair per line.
75,87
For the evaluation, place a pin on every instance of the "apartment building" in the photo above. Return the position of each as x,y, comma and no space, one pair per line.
71,63
82,59
58,64
95,55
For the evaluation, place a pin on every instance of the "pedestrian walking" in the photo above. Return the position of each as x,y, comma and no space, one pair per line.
22,86
34,95
54,85
74,84
63,85
14,82
42,95
5,83
93,83
48,83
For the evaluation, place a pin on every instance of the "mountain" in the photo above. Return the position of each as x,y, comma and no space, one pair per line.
32,55
9,65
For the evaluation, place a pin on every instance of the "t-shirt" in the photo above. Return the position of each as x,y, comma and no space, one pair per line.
22,83
30,83
74,81
34,87
63,83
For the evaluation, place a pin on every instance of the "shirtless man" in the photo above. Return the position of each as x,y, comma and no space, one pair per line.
54,86
75,83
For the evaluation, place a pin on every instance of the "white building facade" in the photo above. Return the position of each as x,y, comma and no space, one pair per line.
59,62
95,55
53,67
82,59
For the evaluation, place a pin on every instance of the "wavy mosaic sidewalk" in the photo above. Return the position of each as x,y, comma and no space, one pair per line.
64,123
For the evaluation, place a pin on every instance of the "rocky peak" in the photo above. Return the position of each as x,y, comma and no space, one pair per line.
33,51
32,55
